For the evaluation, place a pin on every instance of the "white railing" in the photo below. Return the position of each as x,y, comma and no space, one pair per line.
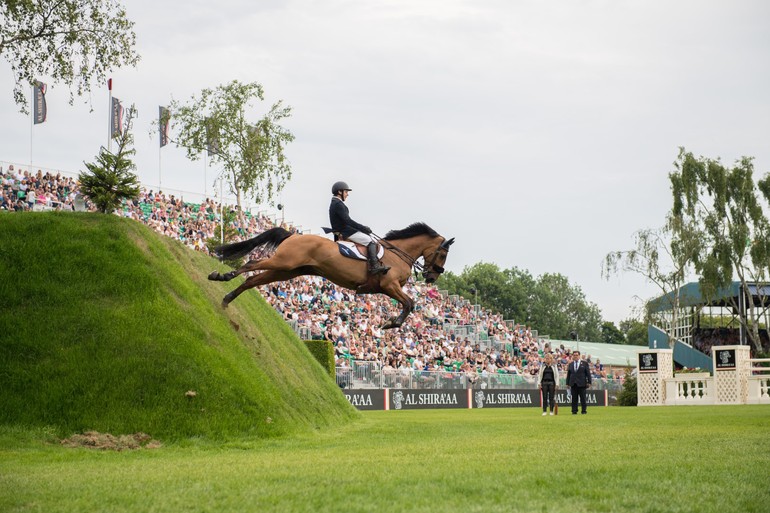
362,375
690,388
759,383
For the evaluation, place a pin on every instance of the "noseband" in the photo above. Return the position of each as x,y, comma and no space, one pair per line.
431,266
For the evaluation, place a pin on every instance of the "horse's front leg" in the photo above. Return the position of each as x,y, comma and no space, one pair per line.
249,266
407,305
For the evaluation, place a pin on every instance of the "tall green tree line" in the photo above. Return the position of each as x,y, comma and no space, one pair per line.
548,303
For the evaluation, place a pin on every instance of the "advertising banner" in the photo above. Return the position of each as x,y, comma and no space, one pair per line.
369,399
414,399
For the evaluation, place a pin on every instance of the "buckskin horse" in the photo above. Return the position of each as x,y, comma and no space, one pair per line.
298,255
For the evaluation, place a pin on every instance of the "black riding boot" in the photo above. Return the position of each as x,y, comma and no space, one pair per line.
375,267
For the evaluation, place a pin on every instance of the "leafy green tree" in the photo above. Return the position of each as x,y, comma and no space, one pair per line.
720,206
221,122
560,308
549,304
663,257
77,42
628,396
635,332
109,181
611,334
506,291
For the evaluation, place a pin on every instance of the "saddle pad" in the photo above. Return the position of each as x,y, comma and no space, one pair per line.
351,250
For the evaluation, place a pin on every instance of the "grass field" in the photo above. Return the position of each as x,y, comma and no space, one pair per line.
667,459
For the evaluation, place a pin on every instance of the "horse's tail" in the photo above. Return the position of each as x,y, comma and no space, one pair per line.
271,239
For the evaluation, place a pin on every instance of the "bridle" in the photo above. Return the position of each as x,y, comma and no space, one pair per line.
430,265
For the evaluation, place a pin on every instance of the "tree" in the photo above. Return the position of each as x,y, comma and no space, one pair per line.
506,291
662,257
635,332
559,308
250,152
628,396
109,181
77,42
611,334
719,205
549,303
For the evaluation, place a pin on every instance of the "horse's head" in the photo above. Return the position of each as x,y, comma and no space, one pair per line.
435,258
425,243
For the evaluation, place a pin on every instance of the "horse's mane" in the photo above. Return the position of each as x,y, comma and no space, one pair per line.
412,230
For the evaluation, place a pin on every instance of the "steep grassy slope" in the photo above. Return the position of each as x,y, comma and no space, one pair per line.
106,326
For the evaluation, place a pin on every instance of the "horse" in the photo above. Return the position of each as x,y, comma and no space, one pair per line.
314,255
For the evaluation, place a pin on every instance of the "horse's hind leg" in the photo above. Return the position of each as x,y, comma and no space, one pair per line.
251,265
262,278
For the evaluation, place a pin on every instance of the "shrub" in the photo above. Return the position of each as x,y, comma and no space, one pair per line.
322,351
628,395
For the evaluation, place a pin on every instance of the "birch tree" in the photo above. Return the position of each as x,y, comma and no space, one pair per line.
720,206
250,147
74,42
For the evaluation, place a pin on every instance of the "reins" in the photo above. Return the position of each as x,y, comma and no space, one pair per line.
403,255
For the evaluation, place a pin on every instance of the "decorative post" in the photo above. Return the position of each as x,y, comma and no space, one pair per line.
731,373
653,367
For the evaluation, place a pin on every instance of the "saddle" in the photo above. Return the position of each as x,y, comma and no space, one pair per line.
351,249
357,251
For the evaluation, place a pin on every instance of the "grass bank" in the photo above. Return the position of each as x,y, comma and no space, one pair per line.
675,459
107,326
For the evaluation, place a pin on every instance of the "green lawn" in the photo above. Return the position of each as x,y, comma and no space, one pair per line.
106,325
697,459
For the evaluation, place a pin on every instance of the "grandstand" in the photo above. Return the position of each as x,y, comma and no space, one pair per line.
447,342
701,322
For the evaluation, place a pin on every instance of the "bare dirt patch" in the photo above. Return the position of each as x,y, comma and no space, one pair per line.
108,442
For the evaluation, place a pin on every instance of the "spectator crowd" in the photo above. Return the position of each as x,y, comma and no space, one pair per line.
445,333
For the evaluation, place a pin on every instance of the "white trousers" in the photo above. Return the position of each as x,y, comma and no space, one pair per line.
360,238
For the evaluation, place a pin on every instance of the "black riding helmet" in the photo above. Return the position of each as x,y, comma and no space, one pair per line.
340,186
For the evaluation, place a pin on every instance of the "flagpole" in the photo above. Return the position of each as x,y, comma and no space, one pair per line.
109,116
205,183
222,207
31,122
160,169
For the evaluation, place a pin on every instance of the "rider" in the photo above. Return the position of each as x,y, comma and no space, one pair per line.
351,230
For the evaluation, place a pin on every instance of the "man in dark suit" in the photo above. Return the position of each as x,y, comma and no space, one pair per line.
339,216
578,379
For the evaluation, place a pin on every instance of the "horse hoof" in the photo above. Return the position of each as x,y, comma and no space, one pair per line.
214,276
227,299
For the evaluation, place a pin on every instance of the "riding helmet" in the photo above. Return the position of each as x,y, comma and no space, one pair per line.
340,186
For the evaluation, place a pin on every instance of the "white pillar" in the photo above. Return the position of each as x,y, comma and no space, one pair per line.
653,367
732,369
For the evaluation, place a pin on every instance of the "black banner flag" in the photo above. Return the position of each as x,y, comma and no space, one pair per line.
39,108
163,125
116,118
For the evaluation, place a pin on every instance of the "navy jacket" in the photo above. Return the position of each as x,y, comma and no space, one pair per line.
339,216
579,378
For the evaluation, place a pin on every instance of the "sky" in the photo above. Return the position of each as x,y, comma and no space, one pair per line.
539,134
